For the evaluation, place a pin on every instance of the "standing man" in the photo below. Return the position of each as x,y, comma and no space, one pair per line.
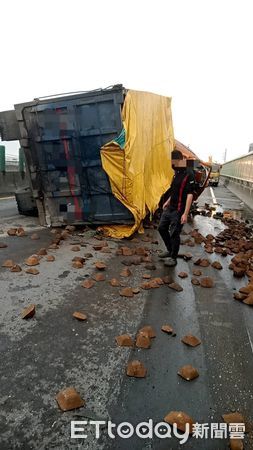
176,208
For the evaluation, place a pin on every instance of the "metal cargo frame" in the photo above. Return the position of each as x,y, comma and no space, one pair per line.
61,138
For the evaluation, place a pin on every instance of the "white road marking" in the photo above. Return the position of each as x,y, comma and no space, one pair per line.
213,196
251,343
6,198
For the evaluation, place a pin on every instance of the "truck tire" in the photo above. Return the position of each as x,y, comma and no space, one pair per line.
26,203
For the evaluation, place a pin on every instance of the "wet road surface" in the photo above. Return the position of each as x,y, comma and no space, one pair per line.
41,356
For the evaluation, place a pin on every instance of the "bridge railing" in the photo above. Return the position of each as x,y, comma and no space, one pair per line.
238,177
239,168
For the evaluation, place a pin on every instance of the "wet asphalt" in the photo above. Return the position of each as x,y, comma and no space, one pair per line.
52,351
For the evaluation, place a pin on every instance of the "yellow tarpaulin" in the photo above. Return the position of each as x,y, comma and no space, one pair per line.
140,172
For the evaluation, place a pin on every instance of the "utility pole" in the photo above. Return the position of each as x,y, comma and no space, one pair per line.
225,155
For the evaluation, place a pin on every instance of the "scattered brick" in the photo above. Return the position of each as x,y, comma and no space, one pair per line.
154,284
218,250
114,282
235,417
8,263
136,290
183,274
2,245
88,284
148,331
208,249
191,340
188,372
53,247
239,272
75,248
77,265
236,444
197,261
97,247
249,300
206,282
79,316
28,312
158,281
88,255
50,258
195,281
217,265
126,292
239,296
102,243
100,265
64,234
141,251
168,279
143,341
136,369
136,260
175,287
70,228
246,289
126,251
187,256
125,272
147,285
180,419
167,329
12,231
124,340
198,238
55,231
146,259
32,260
32,271
21,232
106,250
55,244
16,268
197,272
42,252
146,276
79,259
204,262
99,277
69,399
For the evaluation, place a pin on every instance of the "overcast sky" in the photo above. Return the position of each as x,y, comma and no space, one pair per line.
199,52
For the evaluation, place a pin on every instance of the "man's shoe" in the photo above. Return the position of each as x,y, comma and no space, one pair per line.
170,262
164,255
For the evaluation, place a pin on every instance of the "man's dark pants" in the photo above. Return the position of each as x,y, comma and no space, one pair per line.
170,228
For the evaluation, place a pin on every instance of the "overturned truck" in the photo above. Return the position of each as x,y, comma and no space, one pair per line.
100,157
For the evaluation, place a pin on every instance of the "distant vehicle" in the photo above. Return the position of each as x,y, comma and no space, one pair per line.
215,174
